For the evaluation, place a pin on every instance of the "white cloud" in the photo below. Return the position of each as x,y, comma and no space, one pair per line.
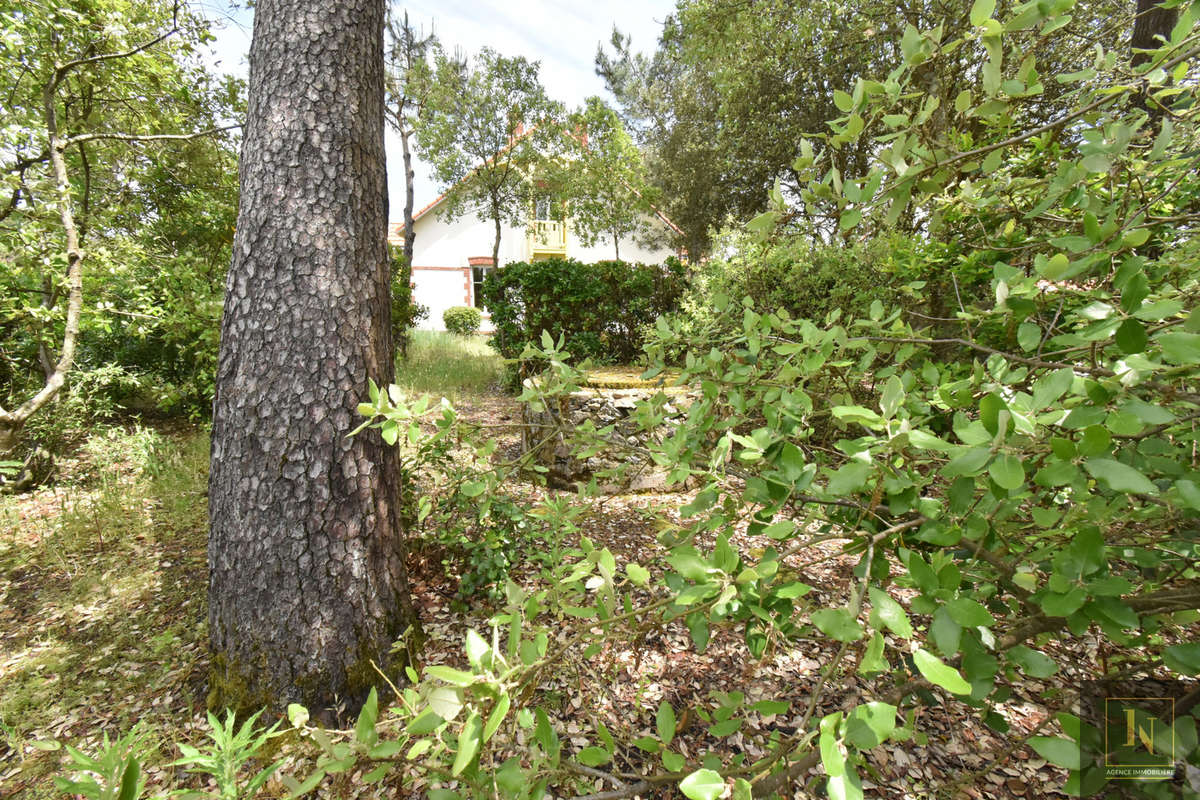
563,36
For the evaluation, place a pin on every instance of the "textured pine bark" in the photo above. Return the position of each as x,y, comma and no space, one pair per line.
306,573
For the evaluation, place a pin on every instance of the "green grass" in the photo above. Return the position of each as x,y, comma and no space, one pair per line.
102,617
447,365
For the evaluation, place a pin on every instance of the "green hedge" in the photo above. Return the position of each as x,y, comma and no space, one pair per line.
602,308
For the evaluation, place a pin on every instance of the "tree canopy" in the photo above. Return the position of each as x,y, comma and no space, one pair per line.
488,125
111,160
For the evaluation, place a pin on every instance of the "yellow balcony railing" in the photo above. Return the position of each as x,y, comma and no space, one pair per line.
547,237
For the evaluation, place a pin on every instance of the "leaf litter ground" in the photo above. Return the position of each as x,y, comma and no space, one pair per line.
102,627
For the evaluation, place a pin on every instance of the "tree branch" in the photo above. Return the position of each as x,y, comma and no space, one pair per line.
154,137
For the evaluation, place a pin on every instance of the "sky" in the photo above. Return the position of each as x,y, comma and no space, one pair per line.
562,36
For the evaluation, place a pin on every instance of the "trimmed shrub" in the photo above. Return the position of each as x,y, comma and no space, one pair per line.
602,308
462,320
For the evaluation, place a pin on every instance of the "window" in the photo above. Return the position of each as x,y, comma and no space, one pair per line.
541,207
478,274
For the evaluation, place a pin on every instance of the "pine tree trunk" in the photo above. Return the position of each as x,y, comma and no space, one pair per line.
1151,27
306,572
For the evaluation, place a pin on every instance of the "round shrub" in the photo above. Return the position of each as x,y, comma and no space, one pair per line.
463,320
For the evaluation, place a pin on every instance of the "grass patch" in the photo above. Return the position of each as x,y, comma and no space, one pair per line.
445,364
102,601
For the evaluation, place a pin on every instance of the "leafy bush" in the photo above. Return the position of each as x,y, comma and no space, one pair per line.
602,308
458,508
462,320
406,311
808,278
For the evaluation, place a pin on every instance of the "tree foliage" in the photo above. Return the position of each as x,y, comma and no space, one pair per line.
107,175
733,87
487,126
1013,483
409,79
1034,489
604,179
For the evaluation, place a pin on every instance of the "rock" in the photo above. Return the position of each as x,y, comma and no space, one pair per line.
604,408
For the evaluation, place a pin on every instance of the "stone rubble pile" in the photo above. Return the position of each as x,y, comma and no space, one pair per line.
545,433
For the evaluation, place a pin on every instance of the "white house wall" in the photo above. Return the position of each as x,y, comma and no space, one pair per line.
439,289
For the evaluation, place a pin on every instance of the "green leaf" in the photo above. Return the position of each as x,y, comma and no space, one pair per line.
297,715
364,730
648,744
1131,337
690,564
969,463
1064,604
838,624
870,724
477,649
664,722
593,756
130,779
673,761
1119,477
450,675
939,673
873,660
1032,662
831,755
468,744
849,478
1029,335
1048,388
638,575
1007,471
845,787
842,100
473,488
969,613
1052,268
724,728
1058,751
849,219
1183,658
444,702
703,784
981,11
1178,348
887,611
497,716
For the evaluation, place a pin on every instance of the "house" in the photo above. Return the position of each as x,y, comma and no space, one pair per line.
451,257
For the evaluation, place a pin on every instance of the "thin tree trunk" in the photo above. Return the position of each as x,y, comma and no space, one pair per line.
616,246
496,242
410,235
12,422
307,589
